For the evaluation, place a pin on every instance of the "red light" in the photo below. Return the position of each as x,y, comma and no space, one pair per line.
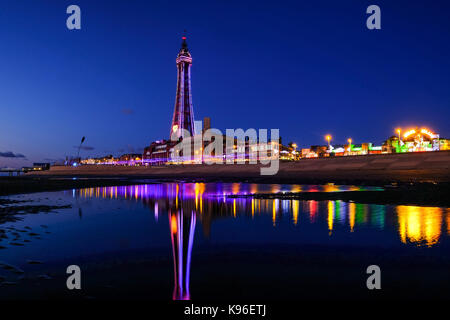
184,38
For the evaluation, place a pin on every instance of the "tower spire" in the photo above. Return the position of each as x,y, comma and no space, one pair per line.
184,46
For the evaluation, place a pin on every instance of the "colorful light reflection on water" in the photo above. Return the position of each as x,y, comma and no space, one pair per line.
184,223
184,202
421,226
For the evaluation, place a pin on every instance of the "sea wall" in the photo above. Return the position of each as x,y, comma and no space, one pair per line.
385,168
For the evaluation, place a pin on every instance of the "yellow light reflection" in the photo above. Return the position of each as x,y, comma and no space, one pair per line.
253,208
196,188
176,196
419,225
253,188
330,216
275,188
330,188
274,211
235,188
295,206
448,222
351,215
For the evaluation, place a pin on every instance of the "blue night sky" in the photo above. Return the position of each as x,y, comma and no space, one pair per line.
306,67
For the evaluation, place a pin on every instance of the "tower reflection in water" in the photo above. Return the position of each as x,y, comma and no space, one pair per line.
186,202
182,228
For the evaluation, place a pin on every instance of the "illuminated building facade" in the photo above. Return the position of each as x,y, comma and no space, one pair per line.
109,159
360,149
412,140
158,152
130,157
415,140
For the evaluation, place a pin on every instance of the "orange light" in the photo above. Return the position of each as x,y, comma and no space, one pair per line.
428,133
408,133
173,225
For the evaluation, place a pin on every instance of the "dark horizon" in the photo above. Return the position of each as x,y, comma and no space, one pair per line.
309,69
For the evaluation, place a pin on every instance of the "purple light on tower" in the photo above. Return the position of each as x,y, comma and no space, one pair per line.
183,115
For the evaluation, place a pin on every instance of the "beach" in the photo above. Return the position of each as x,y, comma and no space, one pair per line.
415,178
368,169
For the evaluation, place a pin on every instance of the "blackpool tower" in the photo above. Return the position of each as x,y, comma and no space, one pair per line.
183,115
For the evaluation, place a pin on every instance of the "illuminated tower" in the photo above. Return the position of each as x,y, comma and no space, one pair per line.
183,116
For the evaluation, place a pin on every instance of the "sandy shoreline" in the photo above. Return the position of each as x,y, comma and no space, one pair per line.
19,185
422,178
358,170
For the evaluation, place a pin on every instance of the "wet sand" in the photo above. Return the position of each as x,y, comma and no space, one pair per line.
29,184
322,272
10,209
417,178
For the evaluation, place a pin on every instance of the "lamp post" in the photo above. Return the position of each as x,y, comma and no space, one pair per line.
294,145
328,138
79,147
399,131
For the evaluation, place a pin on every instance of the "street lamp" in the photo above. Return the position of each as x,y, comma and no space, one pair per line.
399,132
79,147
294,152
328,138
349,144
